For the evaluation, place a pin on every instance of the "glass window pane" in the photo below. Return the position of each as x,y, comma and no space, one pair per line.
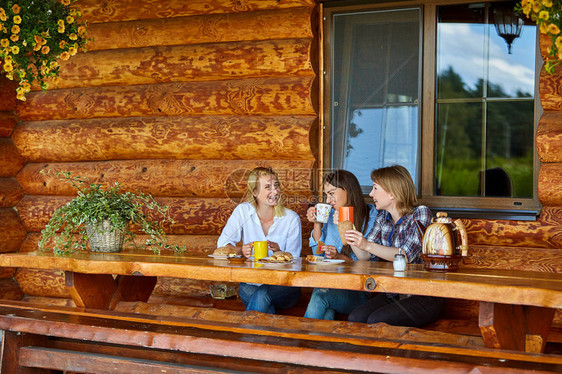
375,80
458,144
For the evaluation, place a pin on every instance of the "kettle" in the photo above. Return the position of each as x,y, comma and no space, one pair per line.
443,236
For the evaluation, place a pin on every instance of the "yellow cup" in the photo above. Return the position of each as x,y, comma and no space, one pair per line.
260,249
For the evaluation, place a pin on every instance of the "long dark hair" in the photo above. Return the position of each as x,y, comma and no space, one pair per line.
348,182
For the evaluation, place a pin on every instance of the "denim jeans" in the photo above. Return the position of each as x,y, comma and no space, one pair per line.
413,311
325,302
266,298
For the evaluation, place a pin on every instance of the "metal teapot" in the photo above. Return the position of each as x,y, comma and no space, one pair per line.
444,236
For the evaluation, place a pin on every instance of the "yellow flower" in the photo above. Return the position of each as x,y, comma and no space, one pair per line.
15,29
4,43
69,19
536,6
56,80
558,42
15,49
72,51
65,56
10,76
17,19
8,59
16,8
60,23
37,47
553,29
8,67
81,30
65,2
45,49
14,37
73,36
547,3
542,28
61,30
21,96
38,39
544,15
62,43
53,64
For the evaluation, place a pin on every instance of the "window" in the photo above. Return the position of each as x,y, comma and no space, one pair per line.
434,88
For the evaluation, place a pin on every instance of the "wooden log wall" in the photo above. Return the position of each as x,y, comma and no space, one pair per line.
176,98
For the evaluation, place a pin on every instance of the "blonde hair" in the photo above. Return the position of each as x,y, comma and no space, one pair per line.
397,181
253,186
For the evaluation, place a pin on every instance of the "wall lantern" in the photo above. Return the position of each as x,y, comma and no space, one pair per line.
508,23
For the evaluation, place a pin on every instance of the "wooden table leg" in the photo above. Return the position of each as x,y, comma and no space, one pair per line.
515,327
102,291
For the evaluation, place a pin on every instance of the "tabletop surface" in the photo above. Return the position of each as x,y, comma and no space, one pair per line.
502,286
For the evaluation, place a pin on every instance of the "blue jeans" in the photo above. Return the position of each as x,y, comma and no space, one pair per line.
266,298
325,302
413,311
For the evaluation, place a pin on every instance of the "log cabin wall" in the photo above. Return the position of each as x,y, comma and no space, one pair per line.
176,98
179,98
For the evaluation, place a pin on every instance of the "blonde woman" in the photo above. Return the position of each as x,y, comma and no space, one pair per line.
261,217
395,198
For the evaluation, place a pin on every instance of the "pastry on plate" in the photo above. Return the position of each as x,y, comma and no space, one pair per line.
313,258
225,251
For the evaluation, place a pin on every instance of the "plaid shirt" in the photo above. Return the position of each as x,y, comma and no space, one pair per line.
403,234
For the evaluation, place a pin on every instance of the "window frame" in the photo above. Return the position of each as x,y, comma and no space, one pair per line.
459,206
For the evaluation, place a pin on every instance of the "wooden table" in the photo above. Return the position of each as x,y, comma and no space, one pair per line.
516,307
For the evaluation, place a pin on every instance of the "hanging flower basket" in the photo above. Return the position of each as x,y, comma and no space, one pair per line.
34,35
548,16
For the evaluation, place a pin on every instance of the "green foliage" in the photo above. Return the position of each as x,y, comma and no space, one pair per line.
33,35
95,204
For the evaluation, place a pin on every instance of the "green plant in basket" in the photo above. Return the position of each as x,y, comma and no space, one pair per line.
111,209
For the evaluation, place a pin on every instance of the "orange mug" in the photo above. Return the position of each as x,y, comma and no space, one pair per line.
345,213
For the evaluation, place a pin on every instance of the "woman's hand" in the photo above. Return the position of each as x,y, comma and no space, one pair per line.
311,214
356,239
330,251
273,246
247,249
336,217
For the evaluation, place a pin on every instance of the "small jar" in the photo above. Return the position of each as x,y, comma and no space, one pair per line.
399,262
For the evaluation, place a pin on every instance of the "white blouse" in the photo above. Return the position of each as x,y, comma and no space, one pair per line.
244,224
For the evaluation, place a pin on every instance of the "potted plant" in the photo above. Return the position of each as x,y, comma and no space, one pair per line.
102,217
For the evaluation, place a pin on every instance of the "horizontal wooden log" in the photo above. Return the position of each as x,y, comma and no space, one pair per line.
12,231
7,94
550,90
7,272
9,290
204,244
10,159
177,287
514,258
220,138
550,180
543,233
193,216
10,192
549,136
182,178
7,123
126,10
210,28
260,96
185,63
45,283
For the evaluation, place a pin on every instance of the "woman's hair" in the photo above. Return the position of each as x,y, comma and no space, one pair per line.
348,182
253,186
397,181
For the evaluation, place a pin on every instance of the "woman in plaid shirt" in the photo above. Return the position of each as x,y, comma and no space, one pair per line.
395,198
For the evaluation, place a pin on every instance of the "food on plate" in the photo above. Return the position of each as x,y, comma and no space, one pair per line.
313,258
343,227
278,257
225,251
318,247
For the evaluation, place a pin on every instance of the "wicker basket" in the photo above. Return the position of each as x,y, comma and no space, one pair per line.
103,238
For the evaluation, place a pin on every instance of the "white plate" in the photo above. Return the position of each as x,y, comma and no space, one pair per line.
218,257
327,261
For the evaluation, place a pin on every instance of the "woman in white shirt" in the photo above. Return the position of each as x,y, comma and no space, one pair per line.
260,217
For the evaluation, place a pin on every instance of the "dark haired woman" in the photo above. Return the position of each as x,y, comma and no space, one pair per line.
342,189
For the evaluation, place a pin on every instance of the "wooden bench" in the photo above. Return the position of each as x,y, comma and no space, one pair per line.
146,338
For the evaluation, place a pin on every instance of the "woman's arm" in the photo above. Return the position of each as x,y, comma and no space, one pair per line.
232,231
356,239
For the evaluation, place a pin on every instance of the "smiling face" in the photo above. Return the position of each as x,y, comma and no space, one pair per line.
268,190
383,199
335,196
